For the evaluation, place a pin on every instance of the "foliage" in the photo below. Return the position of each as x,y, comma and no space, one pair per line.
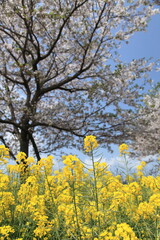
61,76
77,202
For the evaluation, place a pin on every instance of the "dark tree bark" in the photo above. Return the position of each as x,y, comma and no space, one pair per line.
24,142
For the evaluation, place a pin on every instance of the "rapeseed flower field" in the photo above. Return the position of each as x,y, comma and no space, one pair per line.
76,202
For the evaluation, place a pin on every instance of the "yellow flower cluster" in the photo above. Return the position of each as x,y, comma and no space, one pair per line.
77,203
124,231
90,143
140,168
5,231
4,153
123,148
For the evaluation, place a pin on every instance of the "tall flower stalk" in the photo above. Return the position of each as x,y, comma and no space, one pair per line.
123,148
90,144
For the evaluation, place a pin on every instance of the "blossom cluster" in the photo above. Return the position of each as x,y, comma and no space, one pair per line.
123,148
76,202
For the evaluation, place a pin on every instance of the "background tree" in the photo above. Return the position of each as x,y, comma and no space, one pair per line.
148,132
61,77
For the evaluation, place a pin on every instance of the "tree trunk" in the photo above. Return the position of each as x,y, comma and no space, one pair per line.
24,142
24,147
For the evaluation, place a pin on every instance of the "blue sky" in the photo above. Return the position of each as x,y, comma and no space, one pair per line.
144,44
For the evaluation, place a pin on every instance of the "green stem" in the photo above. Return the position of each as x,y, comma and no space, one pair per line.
95,187
76,212
157,227
127,169
95,183
54,210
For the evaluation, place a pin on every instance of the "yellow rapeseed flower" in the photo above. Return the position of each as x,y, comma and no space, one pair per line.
124,231
6,230
21,156
69,203
146,210
4,153
143,163
123,148
90,143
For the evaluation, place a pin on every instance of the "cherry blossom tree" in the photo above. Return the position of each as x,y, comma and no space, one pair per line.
61,77
147,141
